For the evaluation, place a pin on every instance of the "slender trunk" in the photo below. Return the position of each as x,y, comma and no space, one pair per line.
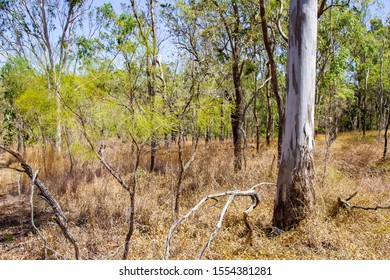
257,126
270,121
152,86
222,126
237,118
364,121
386,134
380,120
295,195
274,75
183,168
132,194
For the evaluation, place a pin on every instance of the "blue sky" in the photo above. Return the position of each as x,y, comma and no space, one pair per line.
384,13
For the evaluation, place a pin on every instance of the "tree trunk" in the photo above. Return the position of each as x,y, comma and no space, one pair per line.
257,126
364,121
152,87
386,134
222,126
274,76
237,118
295,196
270,120
379,125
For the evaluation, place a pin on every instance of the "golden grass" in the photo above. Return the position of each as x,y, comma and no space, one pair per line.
98,208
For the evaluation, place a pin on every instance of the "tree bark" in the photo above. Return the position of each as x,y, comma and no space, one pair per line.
269,132
386,134
237,118
295,195
274,76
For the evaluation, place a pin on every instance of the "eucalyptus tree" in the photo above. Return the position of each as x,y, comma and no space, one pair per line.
43,32
295,196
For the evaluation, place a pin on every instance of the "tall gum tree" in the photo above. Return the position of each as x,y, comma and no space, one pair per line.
295,195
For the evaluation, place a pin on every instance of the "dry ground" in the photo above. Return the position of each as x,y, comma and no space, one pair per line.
98,208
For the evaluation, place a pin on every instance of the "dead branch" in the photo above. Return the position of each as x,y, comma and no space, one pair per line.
217,227
48,197
183,169
231,195
344,204
32,215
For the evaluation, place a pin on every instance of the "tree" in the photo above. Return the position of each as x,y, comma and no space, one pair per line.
274,75
28,30
295,194
149,41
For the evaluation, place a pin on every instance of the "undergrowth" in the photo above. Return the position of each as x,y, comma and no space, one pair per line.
98,208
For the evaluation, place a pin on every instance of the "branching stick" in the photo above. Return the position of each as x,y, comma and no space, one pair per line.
344,203
46,195
231,195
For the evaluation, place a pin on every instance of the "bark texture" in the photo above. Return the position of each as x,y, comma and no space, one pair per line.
295,194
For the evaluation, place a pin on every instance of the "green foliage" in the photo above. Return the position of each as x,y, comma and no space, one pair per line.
109,91
16,76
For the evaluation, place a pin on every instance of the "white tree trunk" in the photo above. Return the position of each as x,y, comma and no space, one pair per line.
295,195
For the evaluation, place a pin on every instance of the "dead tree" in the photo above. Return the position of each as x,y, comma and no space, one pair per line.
47,196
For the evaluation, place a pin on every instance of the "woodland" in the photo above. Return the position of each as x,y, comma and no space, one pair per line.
194,129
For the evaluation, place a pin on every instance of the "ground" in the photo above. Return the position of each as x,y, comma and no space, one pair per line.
97,207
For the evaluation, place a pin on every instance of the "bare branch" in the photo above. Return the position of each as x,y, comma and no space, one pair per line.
48,197
323,9
11,168
254,95
344,203
217,227
32,214
231,195
285,38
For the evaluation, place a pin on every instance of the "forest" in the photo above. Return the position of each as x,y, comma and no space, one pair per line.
194,129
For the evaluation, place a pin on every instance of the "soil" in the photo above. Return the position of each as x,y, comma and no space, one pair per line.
15,216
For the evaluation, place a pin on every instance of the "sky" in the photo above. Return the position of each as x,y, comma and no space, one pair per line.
167,56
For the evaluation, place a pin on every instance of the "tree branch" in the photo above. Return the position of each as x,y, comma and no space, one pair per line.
278,24
231,195
323,9
48,197
344,203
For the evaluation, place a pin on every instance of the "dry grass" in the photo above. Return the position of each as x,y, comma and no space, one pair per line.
98,208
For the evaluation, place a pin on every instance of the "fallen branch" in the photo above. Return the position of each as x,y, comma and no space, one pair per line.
252,193
344,204
46,195
35,175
